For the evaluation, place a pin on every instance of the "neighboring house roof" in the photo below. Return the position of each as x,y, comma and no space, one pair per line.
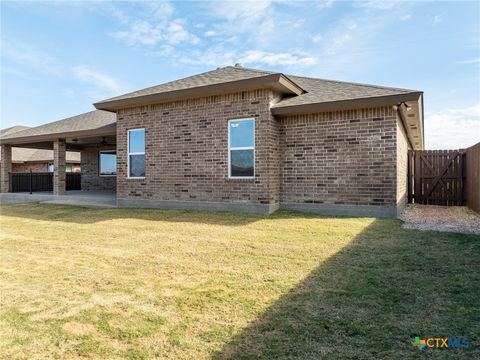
20,155
96,122
13,129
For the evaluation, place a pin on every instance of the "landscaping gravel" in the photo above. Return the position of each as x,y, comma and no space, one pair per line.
441,218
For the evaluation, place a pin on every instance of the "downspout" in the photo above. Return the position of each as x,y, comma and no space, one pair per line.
399,109
423,124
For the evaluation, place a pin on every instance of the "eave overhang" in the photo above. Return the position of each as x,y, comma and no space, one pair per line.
347,104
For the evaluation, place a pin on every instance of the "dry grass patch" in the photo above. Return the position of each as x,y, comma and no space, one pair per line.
134,283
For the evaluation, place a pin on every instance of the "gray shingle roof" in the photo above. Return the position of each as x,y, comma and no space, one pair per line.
317,90
218,76
93,120
13,129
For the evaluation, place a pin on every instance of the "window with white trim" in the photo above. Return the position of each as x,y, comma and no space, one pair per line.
136,153
241,148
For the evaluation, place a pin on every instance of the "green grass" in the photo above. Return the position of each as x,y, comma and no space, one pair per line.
134,283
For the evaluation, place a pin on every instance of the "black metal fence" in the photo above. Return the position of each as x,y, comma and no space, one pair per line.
74,181
42,181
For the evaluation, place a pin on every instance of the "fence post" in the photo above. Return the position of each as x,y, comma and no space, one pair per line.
31,182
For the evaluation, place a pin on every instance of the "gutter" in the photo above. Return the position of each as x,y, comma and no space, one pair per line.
347,104
400,111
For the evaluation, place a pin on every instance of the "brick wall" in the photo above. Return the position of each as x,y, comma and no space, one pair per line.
402,166
340,162
187,153
91,180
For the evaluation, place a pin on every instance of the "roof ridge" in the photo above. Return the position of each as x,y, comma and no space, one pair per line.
353,83
252,69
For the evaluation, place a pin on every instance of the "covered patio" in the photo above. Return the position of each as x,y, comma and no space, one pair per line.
92,134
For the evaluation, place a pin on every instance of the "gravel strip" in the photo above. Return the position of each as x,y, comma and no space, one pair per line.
458,219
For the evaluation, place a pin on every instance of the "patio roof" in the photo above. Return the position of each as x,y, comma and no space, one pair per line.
91,124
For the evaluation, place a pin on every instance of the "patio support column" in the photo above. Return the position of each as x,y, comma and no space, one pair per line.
6,168
59,176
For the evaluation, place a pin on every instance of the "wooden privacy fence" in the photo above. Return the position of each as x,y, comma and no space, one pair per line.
472,167
42,181
445,177
436,177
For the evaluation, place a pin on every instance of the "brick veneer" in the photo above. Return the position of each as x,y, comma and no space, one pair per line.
91,180
340,162
187,154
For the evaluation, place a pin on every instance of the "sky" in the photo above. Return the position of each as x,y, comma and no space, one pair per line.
59,57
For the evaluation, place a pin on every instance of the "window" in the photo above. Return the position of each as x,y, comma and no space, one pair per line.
136,153
68,168
51,168
107,163
241,148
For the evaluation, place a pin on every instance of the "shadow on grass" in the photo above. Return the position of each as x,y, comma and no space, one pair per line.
90,215
369,300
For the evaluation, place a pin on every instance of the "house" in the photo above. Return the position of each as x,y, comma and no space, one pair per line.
242,139
37,160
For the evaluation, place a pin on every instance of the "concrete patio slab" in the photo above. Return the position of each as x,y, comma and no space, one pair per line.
79,198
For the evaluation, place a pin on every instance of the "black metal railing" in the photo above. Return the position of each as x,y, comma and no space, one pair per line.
42,181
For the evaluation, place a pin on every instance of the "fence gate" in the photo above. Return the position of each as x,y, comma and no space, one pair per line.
436,177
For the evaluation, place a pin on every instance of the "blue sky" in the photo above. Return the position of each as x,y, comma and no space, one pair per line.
60,57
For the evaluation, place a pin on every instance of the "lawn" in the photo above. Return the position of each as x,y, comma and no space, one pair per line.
133,283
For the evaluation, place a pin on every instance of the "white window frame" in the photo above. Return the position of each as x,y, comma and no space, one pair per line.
100,162
241,148
135,153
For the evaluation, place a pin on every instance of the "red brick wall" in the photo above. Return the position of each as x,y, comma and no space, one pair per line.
340,158
187,150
